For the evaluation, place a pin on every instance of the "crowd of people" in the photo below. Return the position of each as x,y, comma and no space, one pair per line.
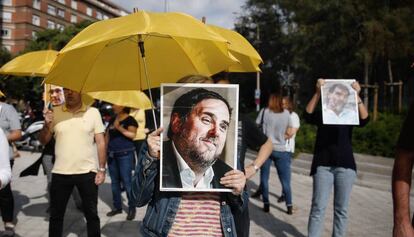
79,149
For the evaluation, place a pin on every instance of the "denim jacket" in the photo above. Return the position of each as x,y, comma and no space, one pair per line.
163,206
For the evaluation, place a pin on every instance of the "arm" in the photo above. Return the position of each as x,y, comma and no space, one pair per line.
263,154
46,133
15,132
129,132
146,171
14,135
401,184
5,171
310,108
101,146
363,113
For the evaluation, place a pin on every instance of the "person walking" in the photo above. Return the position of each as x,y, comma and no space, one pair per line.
333,165
121,154
80,160
9,122
275,124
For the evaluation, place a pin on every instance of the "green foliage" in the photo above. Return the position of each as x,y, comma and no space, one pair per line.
30,89
330,39
380,137
377,138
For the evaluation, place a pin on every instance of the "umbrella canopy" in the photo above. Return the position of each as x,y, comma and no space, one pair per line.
128,98
37,63
1,94
241,49
106,55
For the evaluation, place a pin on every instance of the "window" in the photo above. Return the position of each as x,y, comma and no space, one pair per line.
8,47
50,24
61,12
106,17
60,27
6,33
74,4
36,4
73,19
51,10
7,16
99,15
88,11
36,20
61,1
34,34
6,2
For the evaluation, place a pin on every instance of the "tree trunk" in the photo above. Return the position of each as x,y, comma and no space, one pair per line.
391,86
366,81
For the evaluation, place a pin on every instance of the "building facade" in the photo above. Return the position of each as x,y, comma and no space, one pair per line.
22,19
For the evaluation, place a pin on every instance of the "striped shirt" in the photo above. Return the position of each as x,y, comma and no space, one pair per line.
198,215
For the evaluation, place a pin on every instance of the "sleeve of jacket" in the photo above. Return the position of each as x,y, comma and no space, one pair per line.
238,203
143,181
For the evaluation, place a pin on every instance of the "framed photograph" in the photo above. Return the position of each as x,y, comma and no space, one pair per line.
199,142
339,102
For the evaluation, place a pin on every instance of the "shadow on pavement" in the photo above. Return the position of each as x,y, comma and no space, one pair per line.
19,201
105,194
268,221
122,229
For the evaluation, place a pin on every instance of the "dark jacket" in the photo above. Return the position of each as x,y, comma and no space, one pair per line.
163,206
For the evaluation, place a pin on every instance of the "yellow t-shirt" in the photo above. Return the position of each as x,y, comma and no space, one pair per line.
139,116
75,148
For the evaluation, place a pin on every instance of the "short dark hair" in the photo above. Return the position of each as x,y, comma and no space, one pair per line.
185,104
340,86
126,110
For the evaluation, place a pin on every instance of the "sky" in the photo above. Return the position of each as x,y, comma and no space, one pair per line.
217,12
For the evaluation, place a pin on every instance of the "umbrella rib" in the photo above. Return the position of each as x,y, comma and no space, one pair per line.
191,61
89,72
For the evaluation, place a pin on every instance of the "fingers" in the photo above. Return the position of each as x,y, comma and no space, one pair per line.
234,179
154,143
319,84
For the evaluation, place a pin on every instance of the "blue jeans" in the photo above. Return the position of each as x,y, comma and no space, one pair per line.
282,161
120,165
342,180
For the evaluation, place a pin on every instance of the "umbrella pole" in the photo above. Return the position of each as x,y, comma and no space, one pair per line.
142,50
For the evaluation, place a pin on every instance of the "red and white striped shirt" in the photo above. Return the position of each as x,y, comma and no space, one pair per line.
198,215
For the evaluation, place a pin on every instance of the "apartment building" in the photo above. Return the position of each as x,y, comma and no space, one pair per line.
22,19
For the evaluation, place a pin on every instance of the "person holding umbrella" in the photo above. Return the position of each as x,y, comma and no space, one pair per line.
121,153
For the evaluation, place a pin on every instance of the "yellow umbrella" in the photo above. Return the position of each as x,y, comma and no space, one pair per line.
241,49
129,98
37,63
106,55
1,94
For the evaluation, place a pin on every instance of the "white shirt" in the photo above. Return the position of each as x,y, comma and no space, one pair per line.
294,122
5,171
188,176
347,116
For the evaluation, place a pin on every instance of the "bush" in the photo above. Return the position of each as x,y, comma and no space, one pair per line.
377,138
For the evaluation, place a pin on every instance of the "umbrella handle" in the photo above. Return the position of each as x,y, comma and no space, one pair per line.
142,50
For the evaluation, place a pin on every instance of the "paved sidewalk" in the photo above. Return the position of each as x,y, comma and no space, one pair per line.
370,210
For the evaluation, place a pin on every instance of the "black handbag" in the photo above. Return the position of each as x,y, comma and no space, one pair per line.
260,125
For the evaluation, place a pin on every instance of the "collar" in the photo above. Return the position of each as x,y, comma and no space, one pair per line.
83,108
188,176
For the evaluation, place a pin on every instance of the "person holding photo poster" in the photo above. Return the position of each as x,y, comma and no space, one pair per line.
197,132
333,165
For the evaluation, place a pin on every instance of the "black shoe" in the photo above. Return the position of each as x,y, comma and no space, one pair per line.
266,207
281,199
290,210
114,212
257,194
131,214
